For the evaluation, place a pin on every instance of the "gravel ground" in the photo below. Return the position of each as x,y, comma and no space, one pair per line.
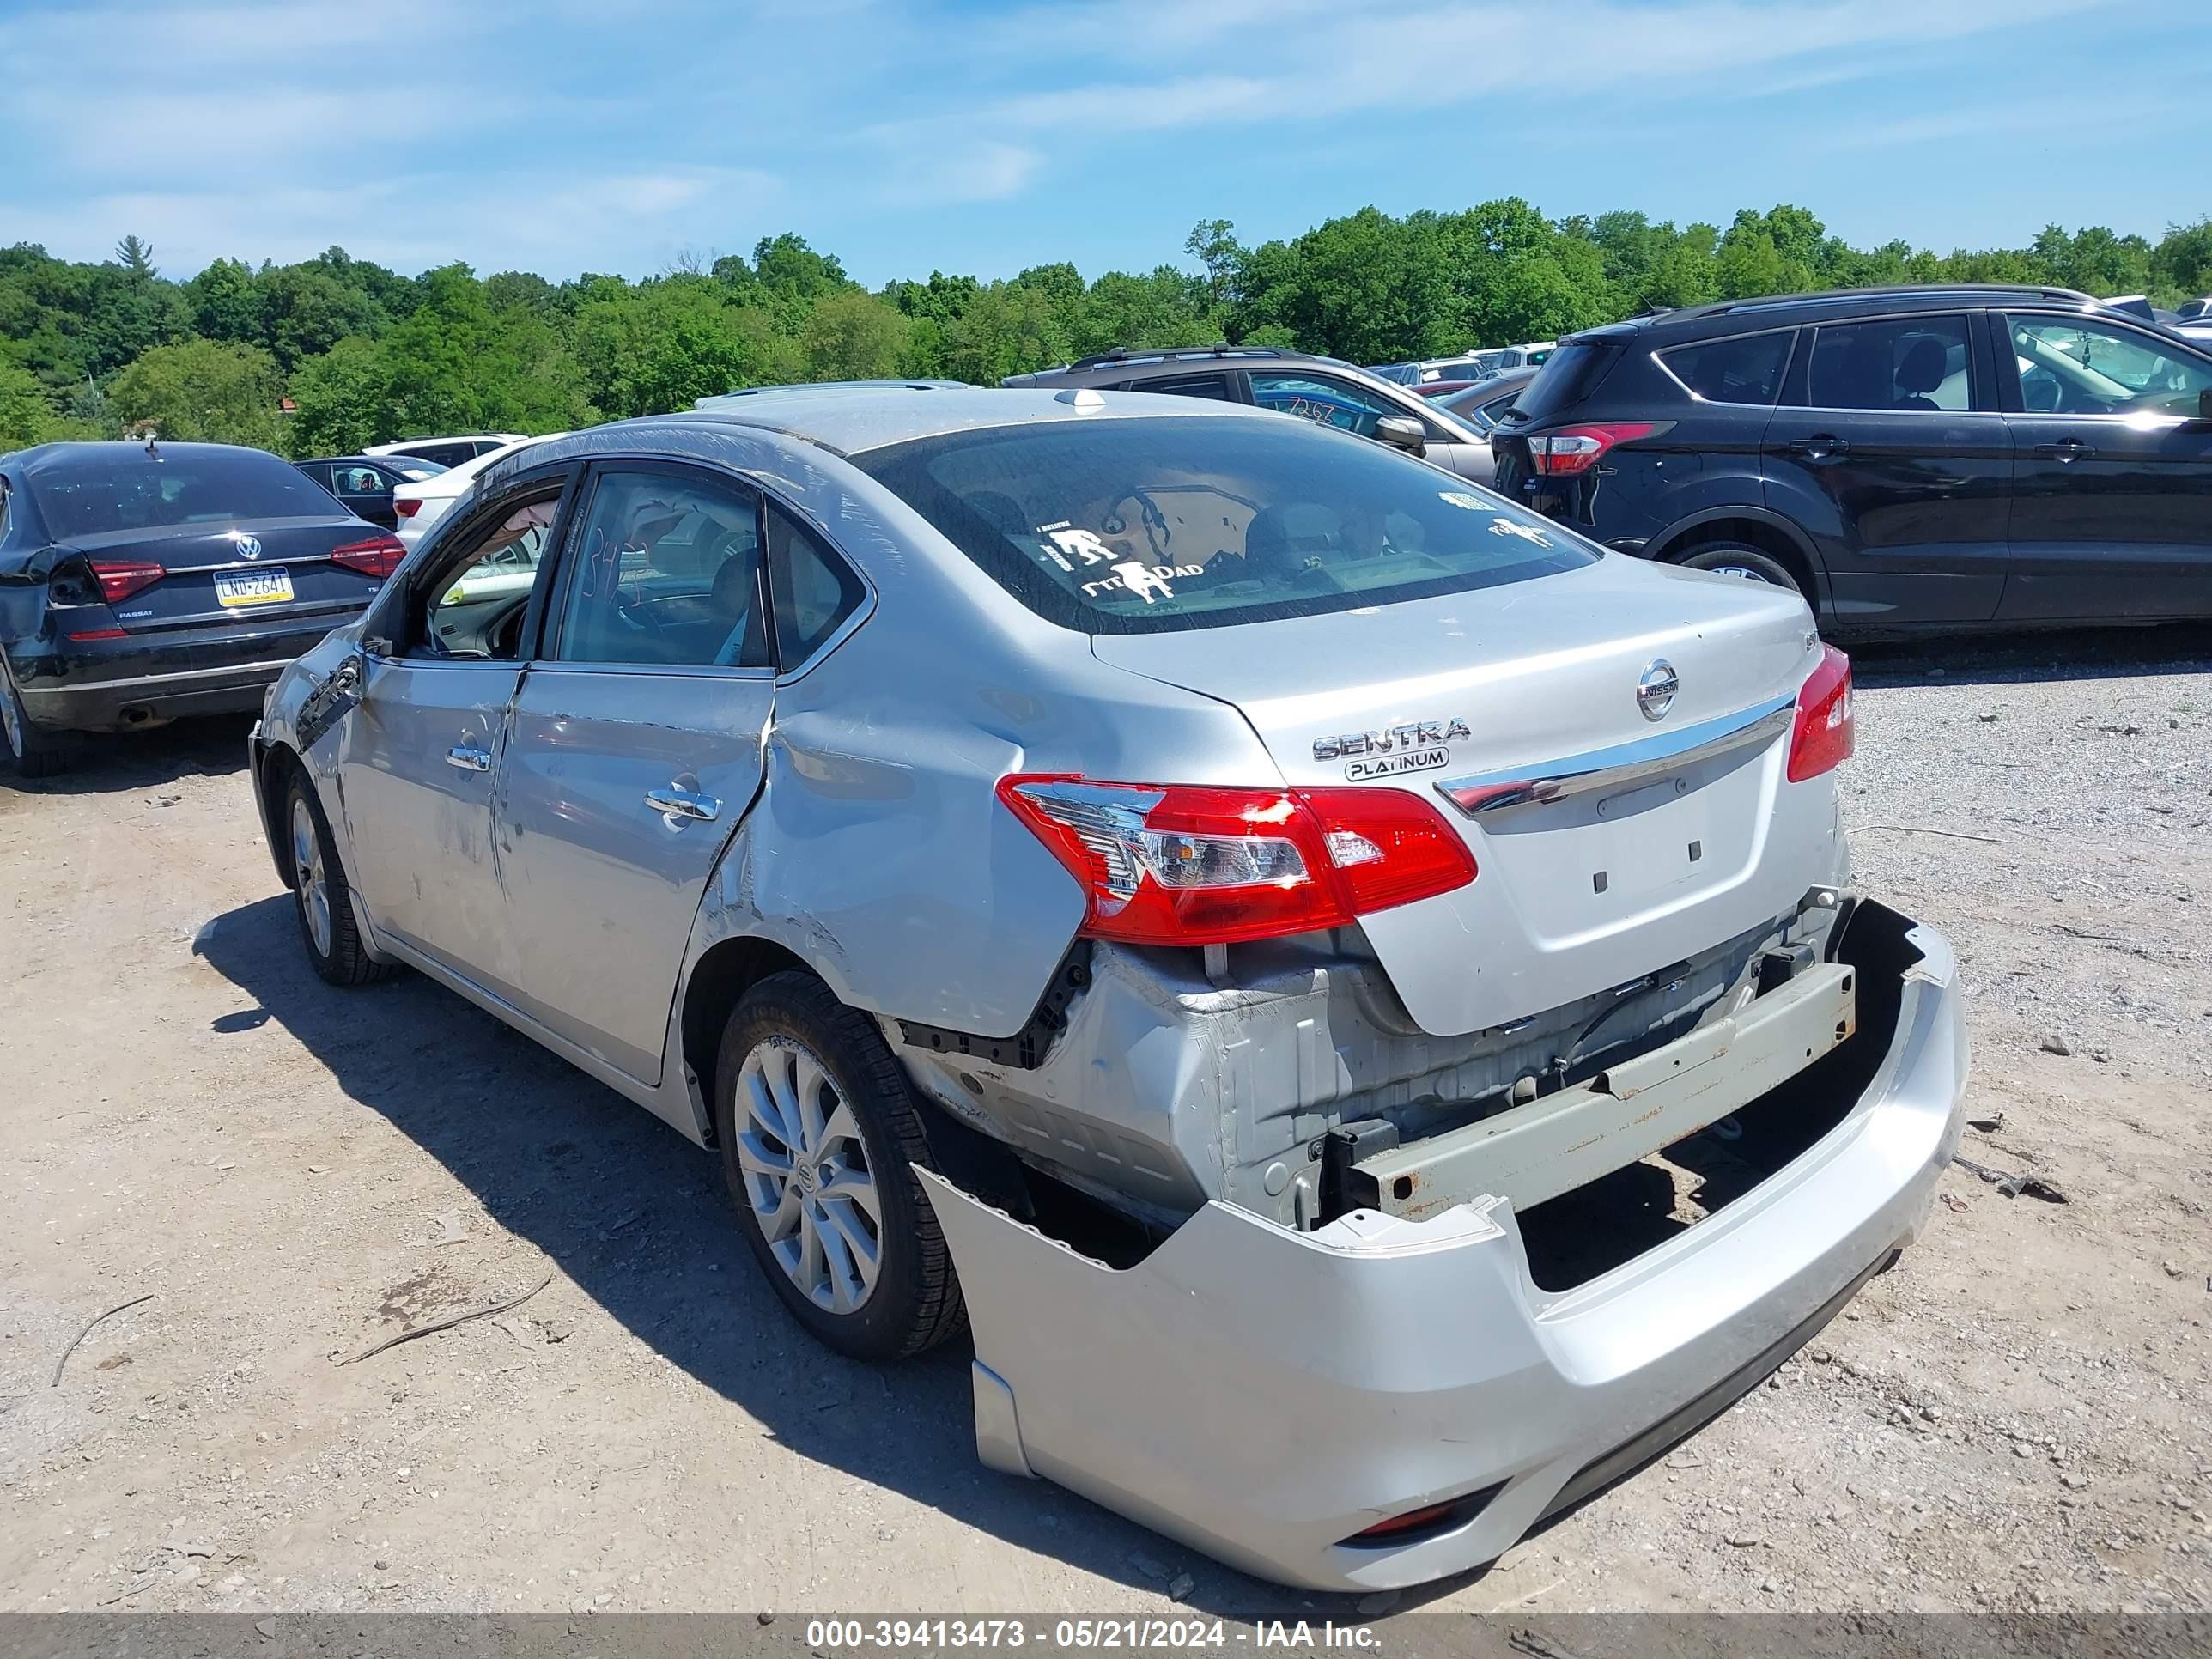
2013,1418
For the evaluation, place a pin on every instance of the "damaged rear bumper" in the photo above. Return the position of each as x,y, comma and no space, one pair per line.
1266,1394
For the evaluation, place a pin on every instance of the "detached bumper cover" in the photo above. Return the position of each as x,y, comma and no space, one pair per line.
96,686
1264,1394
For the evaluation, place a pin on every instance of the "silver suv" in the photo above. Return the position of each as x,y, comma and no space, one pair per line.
1352,989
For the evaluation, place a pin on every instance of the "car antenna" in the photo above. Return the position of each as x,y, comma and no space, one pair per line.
152,453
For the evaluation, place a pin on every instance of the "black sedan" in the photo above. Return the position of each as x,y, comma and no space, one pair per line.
364,483
139,582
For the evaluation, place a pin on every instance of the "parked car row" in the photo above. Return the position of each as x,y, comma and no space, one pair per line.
1921,459
140,583
1469,367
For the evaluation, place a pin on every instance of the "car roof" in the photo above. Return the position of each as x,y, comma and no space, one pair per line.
1727,316
849,418
1108,363
123,451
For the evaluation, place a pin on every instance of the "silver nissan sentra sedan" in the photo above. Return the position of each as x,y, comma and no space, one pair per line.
1352,993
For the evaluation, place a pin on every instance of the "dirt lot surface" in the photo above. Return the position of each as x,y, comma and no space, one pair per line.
2016,1418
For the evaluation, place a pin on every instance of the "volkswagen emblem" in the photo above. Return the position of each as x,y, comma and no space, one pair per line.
1654,692
249,547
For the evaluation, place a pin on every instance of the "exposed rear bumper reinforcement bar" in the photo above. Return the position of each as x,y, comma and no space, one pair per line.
1561,1141
1266,1395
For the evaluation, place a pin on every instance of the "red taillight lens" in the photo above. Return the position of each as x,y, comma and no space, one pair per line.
1574,449
120,578
1181,864
1823,736
377,557
406,506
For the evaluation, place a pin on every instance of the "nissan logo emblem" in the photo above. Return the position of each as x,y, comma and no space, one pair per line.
1654,692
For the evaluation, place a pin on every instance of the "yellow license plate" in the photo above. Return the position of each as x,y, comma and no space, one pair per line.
253,588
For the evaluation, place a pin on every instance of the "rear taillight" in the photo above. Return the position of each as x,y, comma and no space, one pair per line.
406,506
120,578
377,557
1574,449
1822,738
1184,864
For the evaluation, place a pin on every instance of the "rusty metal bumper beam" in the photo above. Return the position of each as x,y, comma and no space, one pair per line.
1564,1140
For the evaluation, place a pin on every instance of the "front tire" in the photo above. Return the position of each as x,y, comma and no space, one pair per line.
32,750
322,901
820,1134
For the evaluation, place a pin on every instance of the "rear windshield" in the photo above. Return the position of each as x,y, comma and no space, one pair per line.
1140,526
93,492
1571,372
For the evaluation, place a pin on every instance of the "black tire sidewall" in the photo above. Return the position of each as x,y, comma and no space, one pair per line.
331,965
798,1007
1751,558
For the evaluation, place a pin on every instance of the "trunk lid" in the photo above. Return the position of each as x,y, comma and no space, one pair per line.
1610,844
241,571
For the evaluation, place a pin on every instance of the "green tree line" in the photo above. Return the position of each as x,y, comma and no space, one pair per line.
364,354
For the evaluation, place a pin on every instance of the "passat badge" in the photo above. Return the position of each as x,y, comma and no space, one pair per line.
1654,692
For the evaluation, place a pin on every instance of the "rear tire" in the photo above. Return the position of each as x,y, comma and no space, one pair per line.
322,902
32,750
1745,563
820,1135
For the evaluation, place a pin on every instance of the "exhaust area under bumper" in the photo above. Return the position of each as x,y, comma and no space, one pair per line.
1266,1394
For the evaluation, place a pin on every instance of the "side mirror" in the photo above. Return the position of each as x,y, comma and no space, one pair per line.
1402,431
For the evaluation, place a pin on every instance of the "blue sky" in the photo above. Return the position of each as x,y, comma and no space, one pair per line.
909,135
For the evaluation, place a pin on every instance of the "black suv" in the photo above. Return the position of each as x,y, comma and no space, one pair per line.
1319,389
1906,457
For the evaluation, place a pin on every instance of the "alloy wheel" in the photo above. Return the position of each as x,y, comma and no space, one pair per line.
807,1176
314,888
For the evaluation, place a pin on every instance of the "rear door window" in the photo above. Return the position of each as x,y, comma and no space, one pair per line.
1896,363
1150,525
1187,386
1322,398
1745,370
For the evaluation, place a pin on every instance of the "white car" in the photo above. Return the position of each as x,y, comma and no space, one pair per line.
423,503
447,451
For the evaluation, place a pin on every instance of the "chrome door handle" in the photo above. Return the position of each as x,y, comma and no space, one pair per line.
678,805
1820,446
2066,449
468,759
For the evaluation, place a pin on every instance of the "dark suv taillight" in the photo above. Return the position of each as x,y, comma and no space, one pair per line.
1574,449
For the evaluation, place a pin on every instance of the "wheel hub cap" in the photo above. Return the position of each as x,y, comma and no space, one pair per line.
307,872
806,1175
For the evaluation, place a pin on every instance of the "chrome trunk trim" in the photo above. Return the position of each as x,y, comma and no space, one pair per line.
1482,793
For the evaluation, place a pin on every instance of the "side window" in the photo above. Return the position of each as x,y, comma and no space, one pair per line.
815,590
1742,371
2069,366
665,570
319,471
1187,386
1898,363
362,481
1321,399
477,609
